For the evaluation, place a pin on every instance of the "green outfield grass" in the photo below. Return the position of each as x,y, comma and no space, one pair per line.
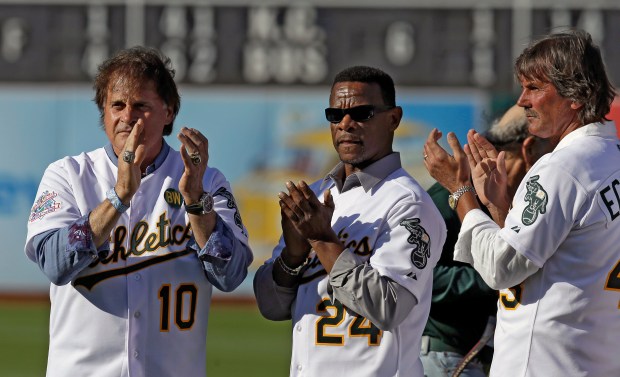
240,341
23,339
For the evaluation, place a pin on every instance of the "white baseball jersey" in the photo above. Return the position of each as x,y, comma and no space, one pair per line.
565,319
141,311
398,229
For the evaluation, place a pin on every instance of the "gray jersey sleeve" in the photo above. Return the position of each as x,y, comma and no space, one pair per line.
362,289
274,302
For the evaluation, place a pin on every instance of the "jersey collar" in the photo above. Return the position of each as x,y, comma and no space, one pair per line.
367,178
604,130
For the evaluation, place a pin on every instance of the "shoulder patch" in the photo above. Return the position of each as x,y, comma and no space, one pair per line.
421,241
537,198
46,203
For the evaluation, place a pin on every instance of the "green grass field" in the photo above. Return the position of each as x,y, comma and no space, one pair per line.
240,341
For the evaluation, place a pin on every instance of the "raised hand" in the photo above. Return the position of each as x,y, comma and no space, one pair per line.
129,162
297,247
104,217
195,155
489,176
310,217
452,172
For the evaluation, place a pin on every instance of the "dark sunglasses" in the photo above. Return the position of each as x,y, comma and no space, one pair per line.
358,113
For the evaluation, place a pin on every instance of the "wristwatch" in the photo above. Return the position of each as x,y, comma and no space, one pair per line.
203,206
453,199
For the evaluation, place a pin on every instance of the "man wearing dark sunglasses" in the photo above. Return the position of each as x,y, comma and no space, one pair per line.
360,113
353,268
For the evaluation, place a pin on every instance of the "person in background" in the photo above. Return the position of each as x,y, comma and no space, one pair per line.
353,269
457,287
554,249
133,236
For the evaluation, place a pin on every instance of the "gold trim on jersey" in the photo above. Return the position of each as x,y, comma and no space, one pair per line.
358,327
362,327
164,236
512,303
174,304
186,324
164,311
328,320
89,281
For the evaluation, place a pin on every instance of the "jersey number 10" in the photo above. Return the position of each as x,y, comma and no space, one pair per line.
184,303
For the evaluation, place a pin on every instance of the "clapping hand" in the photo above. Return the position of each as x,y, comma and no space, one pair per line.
488,167
452,172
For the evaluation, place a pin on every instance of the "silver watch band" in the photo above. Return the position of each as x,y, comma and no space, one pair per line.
453,199
458,193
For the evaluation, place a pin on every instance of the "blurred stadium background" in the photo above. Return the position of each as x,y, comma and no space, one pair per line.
254,77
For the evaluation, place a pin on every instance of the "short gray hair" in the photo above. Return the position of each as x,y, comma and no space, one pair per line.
515,131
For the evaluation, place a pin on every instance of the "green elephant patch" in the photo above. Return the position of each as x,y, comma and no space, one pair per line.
537,198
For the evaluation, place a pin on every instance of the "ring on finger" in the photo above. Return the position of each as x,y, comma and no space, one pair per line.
195,157
129,156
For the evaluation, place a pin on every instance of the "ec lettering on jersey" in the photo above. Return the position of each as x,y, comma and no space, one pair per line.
609,199
421,241
47,203
537,198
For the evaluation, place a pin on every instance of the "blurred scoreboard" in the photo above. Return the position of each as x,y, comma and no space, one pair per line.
455,44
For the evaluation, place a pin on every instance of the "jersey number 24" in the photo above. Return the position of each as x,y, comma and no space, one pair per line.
359,327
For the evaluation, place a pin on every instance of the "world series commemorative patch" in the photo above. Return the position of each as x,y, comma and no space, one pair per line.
421,241
47,203
537,198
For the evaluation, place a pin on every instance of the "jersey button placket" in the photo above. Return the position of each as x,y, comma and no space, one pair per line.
136,295
137,322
